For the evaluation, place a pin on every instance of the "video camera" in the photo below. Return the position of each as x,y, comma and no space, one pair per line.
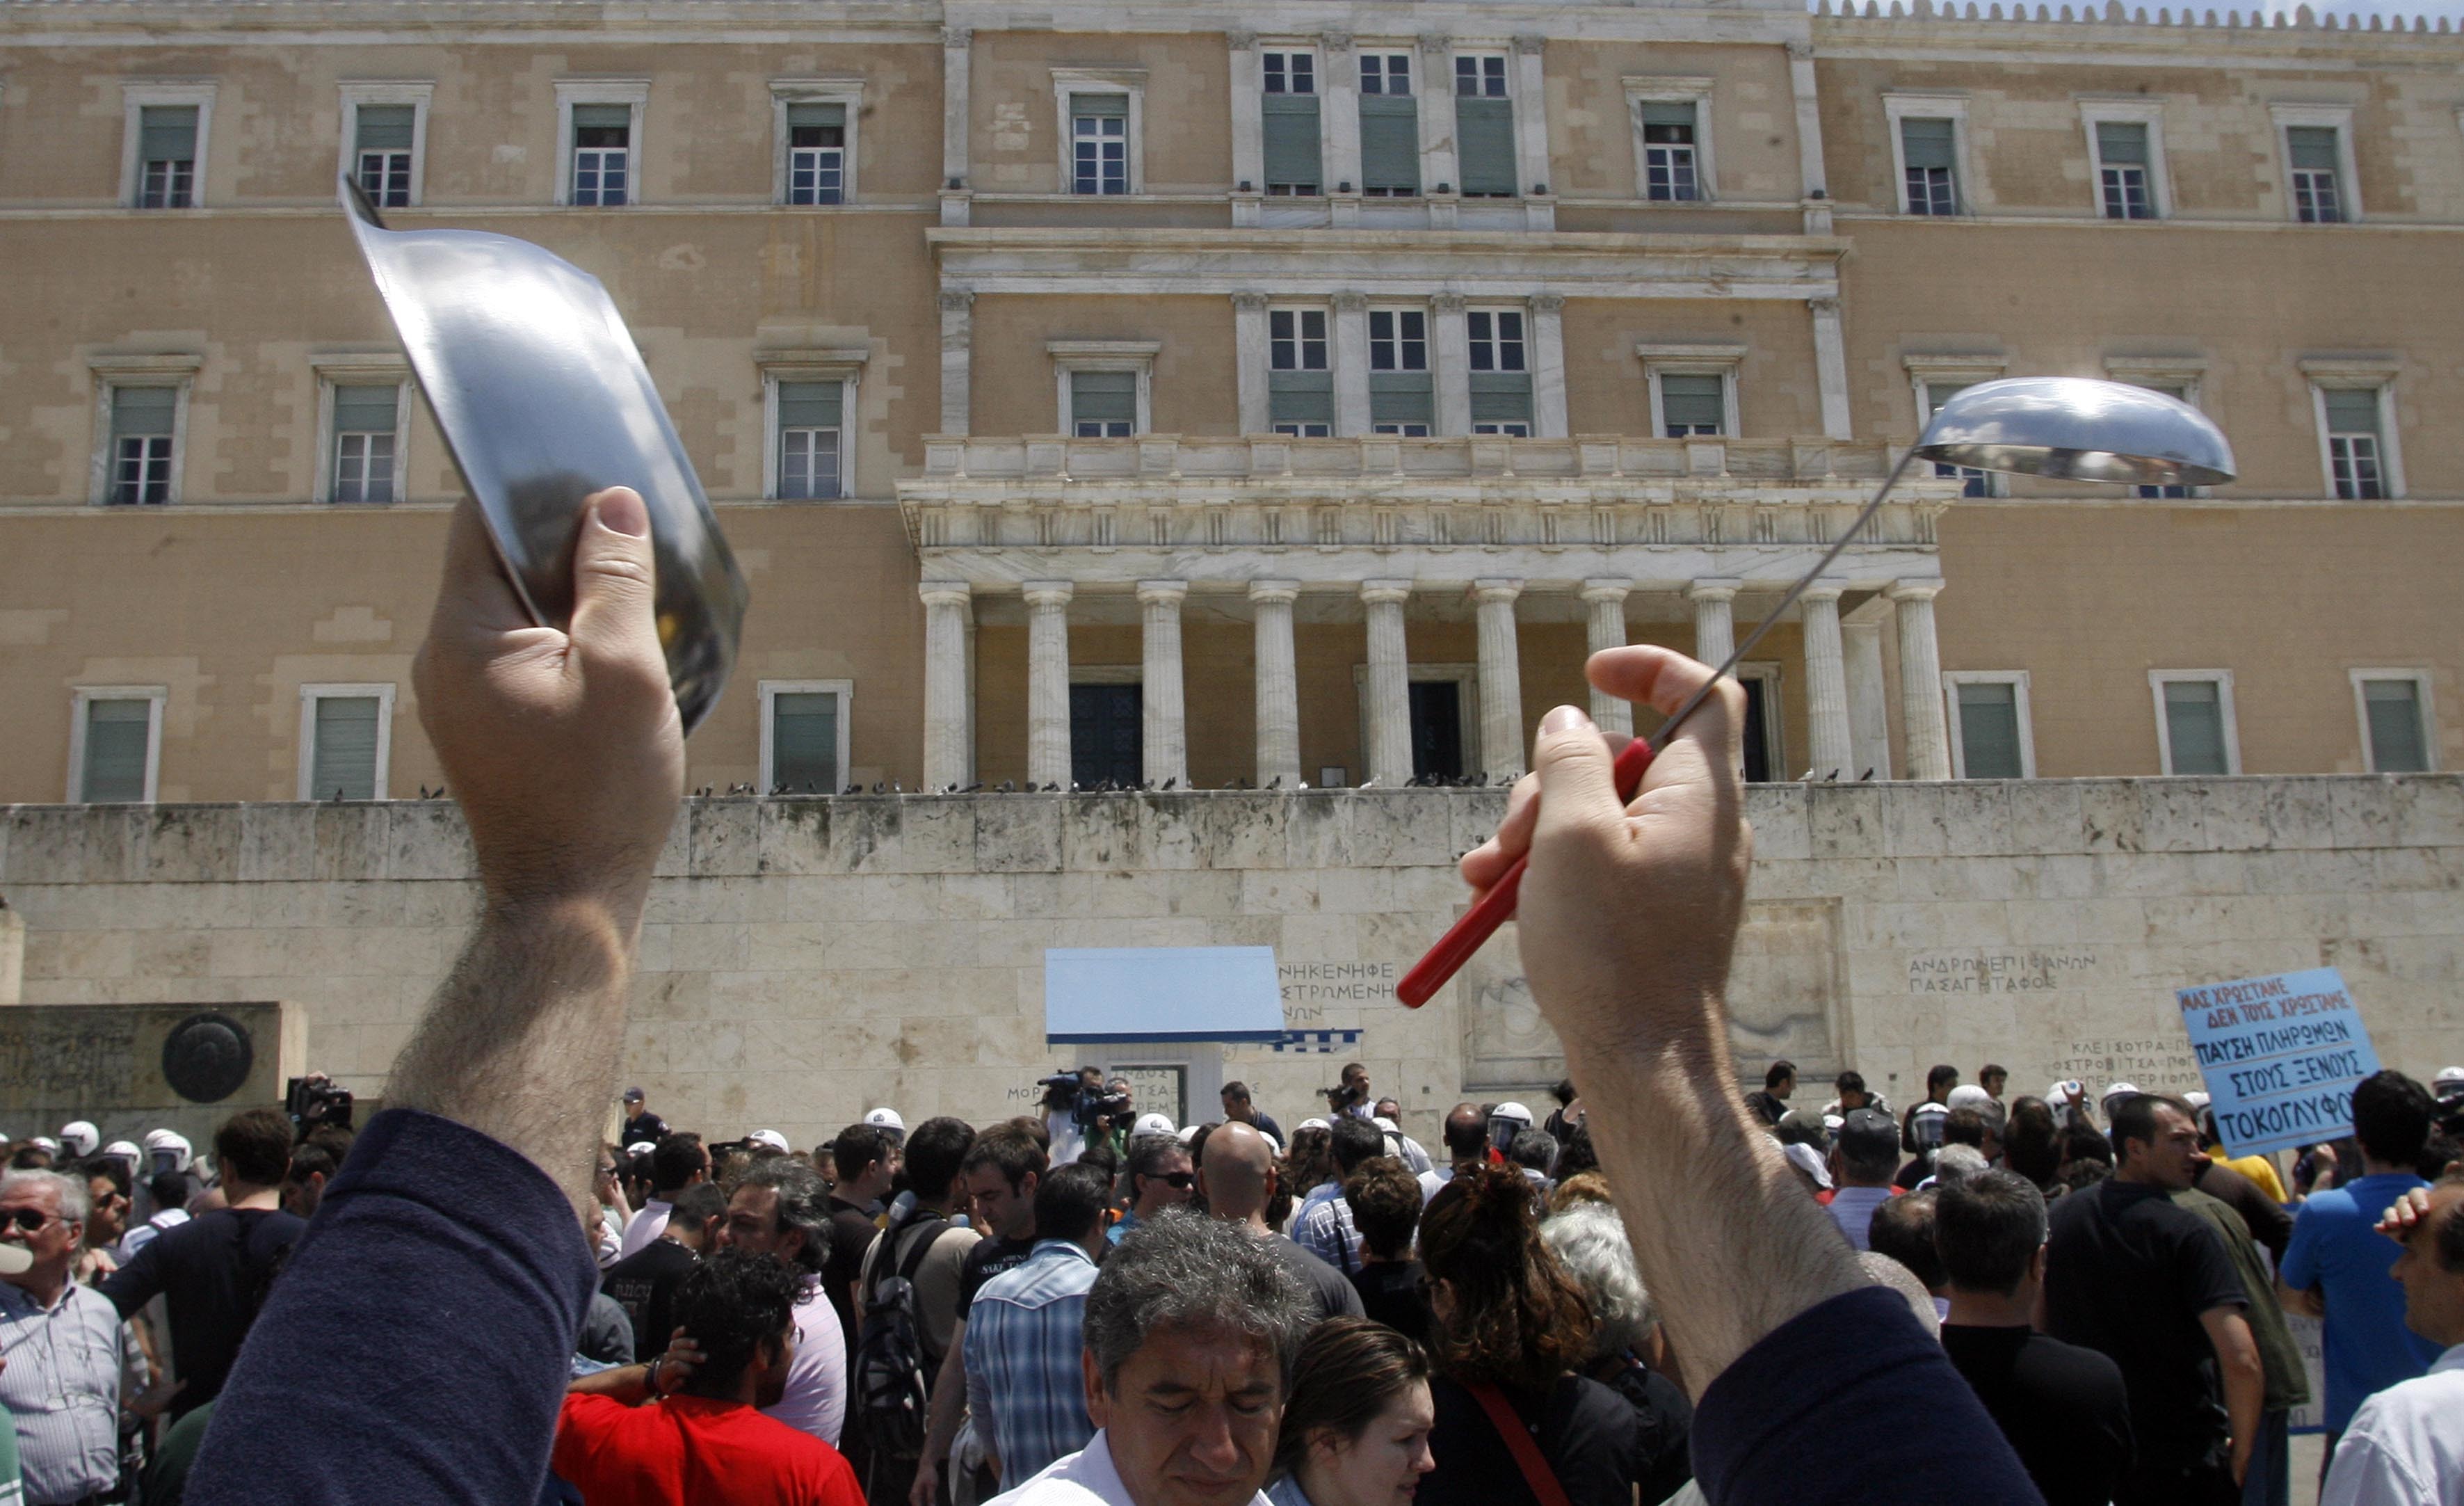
314,1101
1067,1092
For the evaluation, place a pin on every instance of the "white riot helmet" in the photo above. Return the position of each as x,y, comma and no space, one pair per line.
79,1137
1505,1121
169,1151
124,1150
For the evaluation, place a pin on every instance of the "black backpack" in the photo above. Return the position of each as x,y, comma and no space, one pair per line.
891,1378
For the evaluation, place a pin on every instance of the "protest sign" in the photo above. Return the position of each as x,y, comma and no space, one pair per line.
2281,1055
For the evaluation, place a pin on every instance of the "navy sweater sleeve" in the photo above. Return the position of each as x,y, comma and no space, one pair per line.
416,1347
1776,1426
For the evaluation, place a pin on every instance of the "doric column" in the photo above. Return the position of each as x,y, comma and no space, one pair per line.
1921,718
1249,362
958,358
1388,742
1248,132
1452,360
1047,683
1531,120
1501,679
1548,366
1165,723
1604,603
1339,112
1831,367
1437,95
1351,365
1826,683
1715,628
946,712
1809,119
954,115
1279,686
1869,720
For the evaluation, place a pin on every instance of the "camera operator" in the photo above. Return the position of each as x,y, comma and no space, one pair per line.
1079,1110
1349,1098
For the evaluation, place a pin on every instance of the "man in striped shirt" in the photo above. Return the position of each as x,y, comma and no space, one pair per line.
68,1353
1025,1332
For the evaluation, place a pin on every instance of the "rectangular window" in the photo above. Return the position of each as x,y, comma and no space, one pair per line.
382,136
1398,339
816,153
346,727
803,752
1692,405
1102,405
144,437
2317,185
1390,127
2195,712
1289,115
602,153
365,421
167,156
1974,482
811,421
1500,382
2179,394
1989,742
2122,169
2395,722
119,740
1401,398
1300,388
1496,337
1929,149
1099,142
1484,127
1668,144
2354,456
1296,340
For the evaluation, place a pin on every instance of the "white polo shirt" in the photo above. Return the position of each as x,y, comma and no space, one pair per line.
2405,1445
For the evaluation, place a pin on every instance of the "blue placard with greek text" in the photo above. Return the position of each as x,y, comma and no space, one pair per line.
2281,1055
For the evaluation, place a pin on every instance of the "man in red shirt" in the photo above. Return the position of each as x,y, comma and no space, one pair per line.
685,1427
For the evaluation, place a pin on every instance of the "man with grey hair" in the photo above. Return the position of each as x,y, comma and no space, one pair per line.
1191,1329
781,1209
1629,1354
68,1355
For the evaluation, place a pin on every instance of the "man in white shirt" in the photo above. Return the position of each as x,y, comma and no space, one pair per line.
781,1209
676,1163
2405,1447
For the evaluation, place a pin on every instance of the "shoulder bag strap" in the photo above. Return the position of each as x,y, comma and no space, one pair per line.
1536,1473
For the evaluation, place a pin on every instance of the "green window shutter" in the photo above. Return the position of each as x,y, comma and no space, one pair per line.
1693,400
2194,726
365,409
816,115
1291,132
1401,398
804,741
1927,142
1113,105
1501,397
1299,397
142,411
2312,147
1389,142
166,133
1108,397
346,757
810,404
386,127
1668,112
2352,410
2396,743
2122,143
1485,139
116,735
603,117
1989,730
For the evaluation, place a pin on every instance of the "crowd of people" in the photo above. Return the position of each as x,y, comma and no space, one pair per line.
1664,1290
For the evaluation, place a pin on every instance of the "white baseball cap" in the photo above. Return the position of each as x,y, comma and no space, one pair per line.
770,1138
1153,1124
81,1138
1311,1123
1807,1159
2450,1080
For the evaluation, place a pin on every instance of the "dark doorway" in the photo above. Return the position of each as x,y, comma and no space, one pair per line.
1758,711
1437,729
1106,735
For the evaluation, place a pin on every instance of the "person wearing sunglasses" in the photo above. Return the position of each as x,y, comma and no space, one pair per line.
67,1349
1160,1176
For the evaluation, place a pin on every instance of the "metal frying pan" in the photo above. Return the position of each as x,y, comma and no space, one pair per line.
544,400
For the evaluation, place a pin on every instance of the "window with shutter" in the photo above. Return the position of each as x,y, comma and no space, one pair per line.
1401,396
167,156
1102,405
603,151
1500,382
1300,388
2318,186
1989,730
1390,127
804,743
366,422
811,421
1099,143
1668,145
1293,153
343,762
2122,169
2399,734
2353,443
118,743
382,136
2194,727
1485,143
1929,149
1695,403
143,431
816,153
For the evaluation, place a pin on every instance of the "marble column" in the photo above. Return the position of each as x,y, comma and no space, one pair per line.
1339,113
1047,683
946,712
1450,362
1831,367
1249,130
1715,627
1501,679
1388,737
1813,183
1869,719
1531,126
1250,354
958,354
1922,724
1604,603
1279,686
1164,726
1351,365
1436,90
1548,366
1826,684
957,44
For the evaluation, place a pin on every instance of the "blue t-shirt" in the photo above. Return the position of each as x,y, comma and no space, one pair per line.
2336,1248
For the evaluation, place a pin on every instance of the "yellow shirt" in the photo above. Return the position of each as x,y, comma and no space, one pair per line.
2257,1168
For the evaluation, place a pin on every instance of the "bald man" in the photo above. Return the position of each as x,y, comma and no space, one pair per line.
1238,1181
1466,1148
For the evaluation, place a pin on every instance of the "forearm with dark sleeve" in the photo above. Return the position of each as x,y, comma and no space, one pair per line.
1855,1368
135,1284
416,1347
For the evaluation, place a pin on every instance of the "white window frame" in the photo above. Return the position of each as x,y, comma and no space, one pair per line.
2149,113
844,367
418,97
309,696
1719,361
1070,356
1926,370
111,372
2223,680
1316,55
1952,679
1413,68
1499,50
2349,177
1130,81
361,370
2420,679
632,92
1642,90
769,691
848,92
2365,375
1967,194
133,97
155,695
